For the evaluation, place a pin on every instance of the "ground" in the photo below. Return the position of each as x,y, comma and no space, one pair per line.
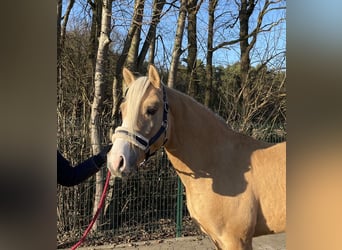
267,242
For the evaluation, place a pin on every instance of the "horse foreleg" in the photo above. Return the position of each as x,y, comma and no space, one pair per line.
233,243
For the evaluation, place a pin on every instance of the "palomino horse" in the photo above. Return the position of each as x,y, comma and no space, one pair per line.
235,185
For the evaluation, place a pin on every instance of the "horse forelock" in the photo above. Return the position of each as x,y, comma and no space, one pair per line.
134,98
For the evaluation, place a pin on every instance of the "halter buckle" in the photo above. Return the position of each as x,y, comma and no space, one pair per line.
166,107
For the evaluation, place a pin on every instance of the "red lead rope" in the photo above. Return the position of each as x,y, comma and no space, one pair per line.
96,215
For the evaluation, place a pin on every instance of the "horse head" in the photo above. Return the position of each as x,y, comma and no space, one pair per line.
144,112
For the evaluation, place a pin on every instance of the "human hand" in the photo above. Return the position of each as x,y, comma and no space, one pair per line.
105,150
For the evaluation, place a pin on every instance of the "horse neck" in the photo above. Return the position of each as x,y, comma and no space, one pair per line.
194,131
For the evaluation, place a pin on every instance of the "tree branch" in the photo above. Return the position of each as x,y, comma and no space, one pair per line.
65,21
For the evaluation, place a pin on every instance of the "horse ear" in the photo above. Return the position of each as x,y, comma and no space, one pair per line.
127,76
153,76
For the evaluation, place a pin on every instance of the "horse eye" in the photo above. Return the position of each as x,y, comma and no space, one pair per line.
151,111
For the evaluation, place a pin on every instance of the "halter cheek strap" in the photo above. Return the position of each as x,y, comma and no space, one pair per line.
141,141
132,137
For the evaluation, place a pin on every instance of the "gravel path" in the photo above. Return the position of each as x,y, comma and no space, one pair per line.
267,242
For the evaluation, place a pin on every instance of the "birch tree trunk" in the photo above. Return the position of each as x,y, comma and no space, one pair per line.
117,82
177,47
99,81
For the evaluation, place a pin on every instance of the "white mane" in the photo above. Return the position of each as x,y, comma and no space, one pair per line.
134,95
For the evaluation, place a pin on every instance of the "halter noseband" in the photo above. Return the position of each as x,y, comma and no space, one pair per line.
141,141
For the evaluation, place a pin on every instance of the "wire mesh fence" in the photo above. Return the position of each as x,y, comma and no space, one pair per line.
143,207
149,205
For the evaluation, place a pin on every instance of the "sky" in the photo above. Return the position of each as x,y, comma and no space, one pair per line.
268,43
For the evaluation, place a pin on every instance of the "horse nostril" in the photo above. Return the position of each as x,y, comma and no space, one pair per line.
121,163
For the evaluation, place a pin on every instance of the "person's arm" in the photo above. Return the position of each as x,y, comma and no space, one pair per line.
70,176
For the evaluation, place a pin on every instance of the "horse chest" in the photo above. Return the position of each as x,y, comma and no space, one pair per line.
214,212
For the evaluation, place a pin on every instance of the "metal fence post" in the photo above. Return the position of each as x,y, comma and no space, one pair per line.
179,216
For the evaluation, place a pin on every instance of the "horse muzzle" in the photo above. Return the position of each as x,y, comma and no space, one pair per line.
122,158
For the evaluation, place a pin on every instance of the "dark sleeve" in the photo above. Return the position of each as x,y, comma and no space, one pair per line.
70,176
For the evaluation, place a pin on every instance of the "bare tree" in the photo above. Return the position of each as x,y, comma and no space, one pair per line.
134,47
96,8
248,33
99,81
192,10
177,46
117,81
65,21
246,10
210,52
151,34
62,22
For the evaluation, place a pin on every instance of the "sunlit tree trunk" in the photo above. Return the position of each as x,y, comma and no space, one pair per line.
99,82
177,47
134,48
151,34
